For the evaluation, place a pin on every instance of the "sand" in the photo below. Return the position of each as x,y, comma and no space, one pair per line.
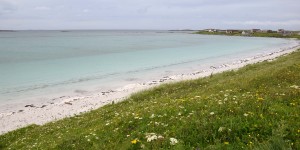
19,116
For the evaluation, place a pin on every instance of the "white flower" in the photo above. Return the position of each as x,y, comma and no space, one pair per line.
245,114
221,129
160,137
179,114
295,86
152,116
212,113
173,141
151,136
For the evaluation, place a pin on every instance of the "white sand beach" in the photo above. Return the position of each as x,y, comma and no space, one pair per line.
21,115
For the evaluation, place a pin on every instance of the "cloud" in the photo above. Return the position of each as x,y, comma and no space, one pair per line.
7,7
85,10
149,14
42,8
265,23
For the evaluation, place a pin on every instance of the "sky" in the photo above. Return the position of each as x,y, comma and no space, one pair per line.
149,14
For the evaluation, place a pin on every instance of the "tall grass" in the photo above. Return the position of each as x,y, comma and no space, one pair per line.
256,107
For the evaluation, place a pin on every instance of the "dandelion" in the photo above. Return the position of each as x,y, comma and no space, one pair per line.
211,113
173,141
134,141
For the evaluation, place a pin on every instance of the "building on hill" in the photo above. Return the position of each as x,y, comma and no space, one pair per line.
210,30
255,30
222,31
280,31
246,33
287,33
266,31
232,31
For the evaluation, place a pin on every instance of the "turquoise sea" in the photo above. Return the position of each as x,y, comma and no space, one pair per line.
41,65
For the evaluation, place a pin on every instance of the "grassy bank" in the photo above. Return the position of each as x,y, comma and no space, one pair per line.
257,34
256,107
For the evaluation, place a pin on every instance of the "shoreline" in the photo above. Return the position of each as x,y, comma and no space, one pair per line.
69,106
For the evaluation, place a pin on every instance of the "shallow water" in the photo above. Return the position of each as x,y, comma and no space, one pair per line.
40,65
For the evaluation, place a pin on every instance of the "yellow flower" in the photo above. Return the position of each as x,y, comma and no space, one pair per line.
134,141
260,99
226,143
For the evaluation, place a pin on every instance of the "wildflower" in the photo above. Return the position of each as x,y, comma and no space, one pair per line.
179,114
151,136
212,113
226,143
221,129
152,116
260,99
295,86
173,141
160,137
245,114
134,141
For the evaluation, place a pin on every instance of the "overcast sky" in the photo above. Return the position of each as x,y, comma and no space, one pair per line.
149,14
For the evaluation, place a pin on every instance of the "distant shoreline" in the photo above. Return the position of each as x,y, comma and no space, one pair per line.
292,34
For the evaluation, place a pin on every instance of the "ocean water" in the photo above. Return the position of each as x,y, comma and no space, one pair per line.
41,65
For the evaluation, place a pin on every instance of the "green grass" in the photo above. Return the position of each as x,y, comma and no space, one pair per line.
256,107
257,34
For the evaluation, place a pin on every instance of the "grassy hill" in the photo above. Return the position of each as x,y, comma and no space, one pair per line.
256,107
256,34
